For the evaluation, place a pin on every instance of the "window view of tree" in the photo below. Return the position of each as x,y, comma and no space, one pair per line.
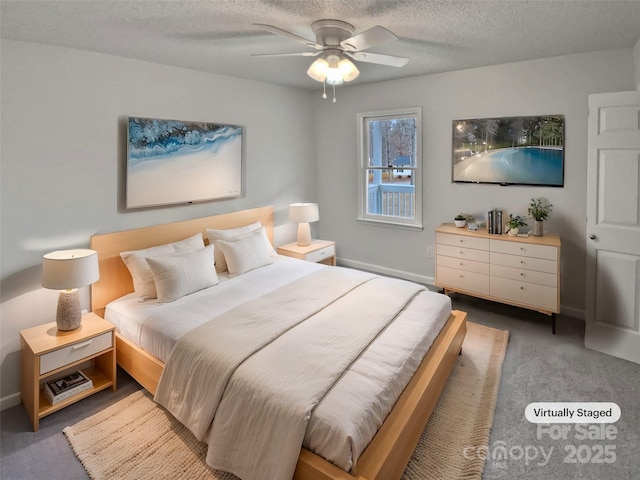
396,139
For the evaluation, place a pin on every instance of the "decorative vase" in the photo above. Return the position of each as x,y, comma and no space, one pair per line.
460,223
537,228
514,231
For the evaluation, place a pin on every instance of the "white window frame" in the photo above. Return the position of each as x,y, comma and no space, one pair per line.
363,166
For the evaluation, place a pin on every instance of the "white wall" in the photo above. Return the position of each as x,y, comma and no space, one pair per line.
63,140
549,86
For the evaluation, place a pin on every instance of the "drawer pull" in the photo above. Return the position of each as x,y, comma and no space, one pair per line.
461,252
81,345
461,264
521,288
522,249
521,274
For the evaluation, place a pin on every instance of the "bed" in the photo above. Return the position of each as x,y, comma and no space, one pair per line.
386,455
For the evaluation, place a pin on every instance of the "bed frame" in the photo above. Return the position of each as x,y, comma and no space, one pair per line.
390,450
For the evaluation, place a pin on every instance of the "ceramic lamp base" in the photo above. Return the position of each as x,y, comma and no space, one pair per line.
304,234
69,315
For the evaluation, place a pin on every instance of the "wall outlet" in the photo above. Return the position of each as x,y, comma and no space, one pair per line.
430,252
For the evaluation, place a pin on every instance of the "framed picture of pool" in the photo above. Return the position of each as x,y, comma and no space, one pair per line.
509,151
179,162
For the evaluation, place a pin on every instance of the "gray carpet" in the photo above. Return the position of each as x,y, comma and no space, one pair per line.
538,367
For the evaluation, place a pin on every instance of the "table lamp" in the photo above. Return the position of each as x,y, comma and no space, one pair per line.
302,214
68,270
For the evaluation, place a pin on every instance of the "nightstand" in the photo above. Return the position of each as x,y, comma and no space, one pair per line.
320,251
47,353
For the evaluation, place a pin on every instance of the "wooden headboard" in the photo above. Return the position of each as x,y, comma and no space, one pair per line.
115,279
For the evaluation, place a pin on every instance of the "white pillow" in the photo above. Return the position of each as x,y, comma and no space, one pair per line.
139,268
217,235
246,252
183,273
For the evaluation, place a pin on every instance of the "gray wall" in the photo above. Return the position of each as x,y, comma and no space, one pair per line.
63,136
549,86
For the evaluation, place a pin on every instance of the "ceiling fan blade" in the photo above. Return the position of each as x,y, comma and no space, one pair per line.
379,58
292,36
296,54
369,38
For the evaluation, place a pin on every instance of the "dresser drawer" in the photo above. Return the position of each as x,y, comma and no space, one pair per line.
529,294
522,275
462,252
524,249
469,281
463,264
73,353
321,254
462,241
527,263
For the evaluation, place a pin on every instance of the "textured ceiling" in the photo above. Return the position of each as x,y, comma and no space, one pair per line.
216,35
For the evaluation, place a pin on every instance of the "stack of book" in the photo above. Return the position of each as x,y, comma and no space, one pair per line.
67,386
497,221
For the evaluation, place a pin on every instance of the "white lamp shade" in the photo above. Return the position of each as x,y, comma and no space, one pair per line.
348,70
67,269
318,70
334,75
304,212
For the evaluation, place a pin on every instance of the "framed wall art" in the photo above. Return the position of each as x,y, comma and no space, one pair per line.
174,162
509,151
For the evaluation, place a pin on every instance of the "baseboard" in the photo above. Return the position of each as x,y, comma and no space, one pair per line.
427,280
572,312
10,401
390,272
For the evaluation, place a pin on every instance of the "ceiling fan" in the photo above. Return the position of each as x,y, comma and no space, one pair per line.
335,44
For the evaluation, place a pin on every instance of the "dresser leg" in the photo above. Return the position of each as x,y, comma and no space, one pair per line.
553,323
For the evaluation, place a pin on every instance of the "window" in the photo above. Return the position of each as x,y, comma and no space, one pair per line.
389,173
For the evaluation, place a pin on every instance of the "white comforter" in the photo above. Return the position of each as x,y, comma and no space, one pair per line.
348,416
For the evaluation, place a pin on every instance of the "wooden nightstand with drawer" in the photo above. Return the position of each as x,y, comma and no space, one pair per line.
320,251
47,353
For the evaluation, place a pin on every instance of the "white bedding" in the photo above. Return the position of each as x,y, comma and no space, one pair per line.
349,415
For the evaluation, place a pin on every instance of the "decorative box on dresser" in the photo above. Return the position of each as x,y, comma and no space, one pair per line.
320,251
47,353
520,271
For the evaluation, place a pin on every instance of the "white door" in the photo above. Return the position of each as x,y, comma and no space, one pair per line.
613,225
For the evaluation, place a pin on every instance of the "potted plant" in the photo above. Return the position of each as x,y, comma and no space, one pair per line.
539,210
514,223
460,220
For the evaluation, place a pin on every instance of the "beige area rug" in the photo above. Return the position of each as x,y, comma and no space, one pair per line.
137,439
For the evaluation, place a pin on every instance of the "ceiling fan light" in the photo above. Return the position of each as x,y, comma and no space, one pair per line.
348,70
318,70
334,76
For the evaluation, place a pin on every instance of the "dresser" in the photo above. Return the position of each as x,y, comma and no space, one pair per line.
520,271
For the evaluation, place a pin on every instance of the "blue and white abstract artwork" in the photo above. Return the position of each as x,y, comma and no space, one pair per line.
171,161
